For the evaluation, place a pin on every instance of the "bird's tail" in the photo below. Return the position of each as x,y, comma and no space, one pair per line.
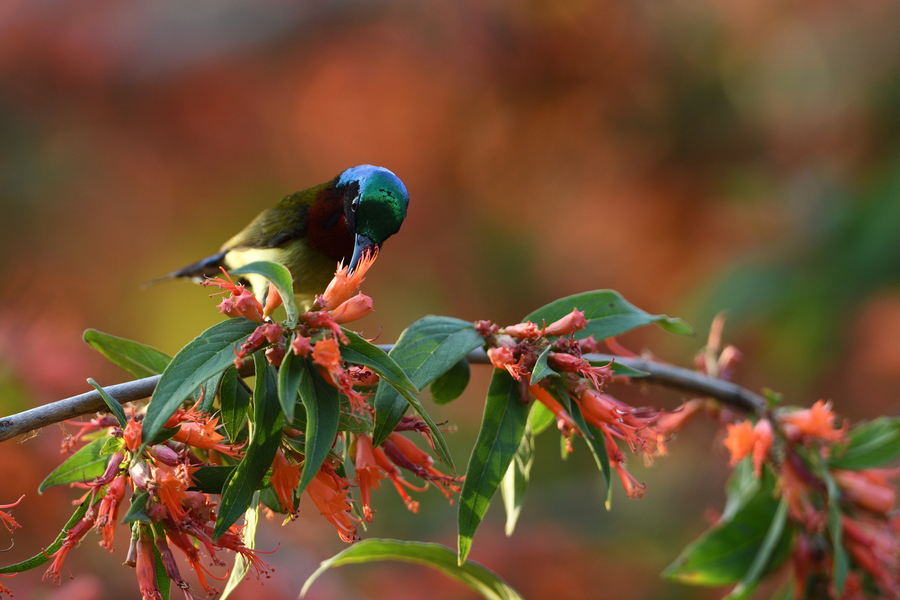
208,267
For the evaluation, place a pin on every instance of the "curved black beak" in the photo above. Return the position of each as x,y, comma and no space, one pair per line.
360,245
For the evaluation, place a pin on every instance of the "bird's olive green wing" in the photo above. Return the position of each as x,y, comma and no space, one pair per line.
276,226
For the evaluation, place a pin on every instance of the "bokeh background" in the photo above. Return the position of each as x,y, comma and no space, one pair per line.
695,156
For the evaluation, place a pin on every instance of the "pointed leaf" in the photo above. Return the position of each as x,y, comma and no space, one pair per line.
608,314
163,582
726,552
208,354
540,418
138,359
482,580
137,511
871,445
234,400
361,352
541,369
841,563
114,407
502,428
265,436
322,416
289,375
773,536
248,536
450,386
211,479
281,279
81,467
593,437
515,482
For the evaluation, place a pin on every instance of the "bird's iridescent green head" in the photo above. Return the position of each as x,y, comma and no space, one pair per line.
375,202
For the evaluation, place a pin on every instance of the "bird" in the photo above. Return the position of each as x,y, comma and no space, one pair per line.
312,230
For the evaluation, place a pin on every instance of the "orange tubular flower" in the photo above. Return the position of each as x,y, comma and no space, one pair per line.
523,331
568,363
170,485
501,357
146,568
199,431
327,354
874,549
7,518
633,487
273,301
869,488
109,510
285,477
328,492
73,537
403,452
353,309
345,284
241,303
367,472
814,423
397,479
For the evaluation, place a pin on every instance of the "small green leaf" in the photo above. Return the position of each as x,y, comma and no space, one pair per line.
208,354
265,436
137,512
81,467
541,369
482,580
234,400
620,369
593,437
281,279
871,445
450,386
502,428
47,553
206,393
136,358
835,526
112,445
515,482
608,314
726,553
248,536
163,582
322,416
114,407
289,375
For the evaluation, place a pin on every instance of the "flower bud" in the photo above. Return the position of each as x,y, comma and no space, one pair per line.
523,331
273,301
301,346
353,309
568,325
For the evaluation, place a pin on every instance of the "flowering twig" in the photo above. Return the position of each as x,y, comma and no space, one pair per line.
657,374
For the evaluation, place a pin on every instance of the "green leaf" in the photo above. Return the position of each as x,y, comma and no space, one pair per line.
211,479
137,510
540,418
608,314
81,467
44,556
515,482
137,359
114,407
208,354
620,369
740,489
871,444
323,413
354,422
163,582
361,352
764,556
482,580
835,527
281,279
206,393
541,369
112,445
234,400
726,553
265,436
450,386
502,428
425,350
289,375
248,536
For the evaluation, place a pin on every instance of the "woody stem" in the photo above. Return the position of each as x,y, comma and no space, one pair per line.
658,373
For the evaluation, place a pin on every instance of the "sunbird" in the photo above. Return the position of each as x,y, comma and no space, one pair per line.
310,231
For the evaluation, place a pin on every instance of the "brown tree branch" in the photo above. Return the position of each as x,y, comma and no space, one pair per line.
658,373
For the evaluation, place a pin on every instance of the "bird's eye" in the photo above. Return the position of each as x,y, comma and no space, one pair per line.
354,204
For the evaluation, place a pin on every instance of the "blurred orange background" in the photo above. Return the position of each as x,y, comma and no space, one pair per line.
695,156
